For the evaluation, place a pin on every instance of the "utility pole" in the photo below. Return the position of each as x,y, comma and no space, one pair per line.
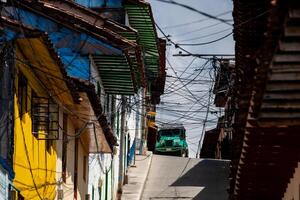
137,123
122,143
204,124
143,123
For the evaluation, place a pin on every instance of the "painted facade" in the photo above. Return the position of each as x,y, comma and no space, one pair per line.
34,151
72,162
80,115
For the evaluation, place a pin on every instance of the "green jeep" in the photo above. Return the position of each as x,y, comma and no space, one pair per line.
171,141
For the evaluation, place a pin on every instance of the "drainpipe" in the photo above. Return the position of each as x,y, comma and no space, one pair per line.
122,143
137,123
144,124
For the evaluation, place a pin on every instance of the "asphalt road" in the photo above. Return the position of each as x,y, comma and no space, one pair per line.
185,178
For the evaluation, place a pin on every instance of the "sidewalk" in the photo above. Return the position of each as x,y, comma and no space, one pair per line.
137,176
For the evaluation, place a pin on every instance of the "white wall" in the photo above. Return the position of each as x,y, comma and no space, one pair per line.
4,184
82,184
99,165
68,186
134,117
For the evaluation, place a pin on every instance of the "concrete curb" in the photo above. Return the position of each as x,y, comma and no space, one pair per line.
137,177
146,177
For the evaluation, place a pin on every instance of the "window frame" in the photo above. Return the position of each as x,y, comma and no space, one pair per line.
22,94
41,108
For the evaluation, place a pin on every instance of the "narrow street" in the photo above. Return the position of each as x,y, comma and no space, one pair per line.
186,178
94,94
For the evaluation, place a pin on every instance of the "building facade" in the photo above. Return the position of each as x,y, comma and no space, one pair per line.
75,110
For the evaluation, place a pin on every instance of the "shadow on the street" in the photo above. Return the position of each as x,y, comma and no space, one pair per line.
210,174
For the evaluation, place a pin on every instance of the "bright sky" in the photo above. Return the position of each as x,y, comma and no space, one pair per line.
185,101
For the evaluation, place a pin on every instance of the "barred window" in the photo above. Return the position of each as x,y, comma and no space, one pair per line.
45,118
22,94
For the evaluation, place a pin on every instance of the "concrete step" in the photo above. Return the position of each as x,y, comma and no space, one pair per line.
284,105
290,46
269,96
280,115
285,68
294,12
291,76
292,31
283,87
287,58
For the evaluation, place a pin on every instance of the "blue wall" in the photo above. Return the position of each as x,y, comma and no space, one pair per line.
100,3
72,46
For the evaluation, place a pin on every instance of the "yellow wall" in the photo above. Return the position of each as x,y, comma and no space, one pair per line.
34,165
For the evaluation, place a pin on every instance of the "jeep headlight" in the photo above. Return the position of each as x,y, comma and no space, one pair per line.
162,142
177,143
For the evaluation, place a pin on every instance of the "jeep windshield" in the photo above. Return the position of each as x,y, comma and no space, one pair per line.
169,133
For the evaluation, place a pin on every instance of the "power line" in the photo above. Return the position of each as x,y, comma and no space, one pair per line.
198,29
204,124
188,66
205,43
236,26
185,84
196,10
205,36
197,21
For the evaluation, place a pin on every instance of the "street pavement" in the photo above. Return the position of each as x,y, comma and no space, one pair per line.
137,176
185,178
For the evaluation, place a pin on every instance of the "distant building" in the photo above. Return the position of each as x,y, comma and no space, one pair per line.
217,143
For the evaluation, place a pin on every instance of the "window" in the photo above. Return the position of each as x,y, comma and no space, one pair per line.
98,89
22,94
76,166
107,104
118,122
64,148
45,118
93,193
113,111
84,167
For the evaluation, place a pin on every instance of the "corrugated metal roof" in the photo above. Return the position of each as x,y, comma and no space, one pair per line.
116,73
137,73
140,18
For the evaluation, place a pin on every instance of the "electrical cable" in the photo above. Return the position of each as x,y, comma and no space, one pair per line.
197,30
178,78
202,57
196,21
206,43
188,66
81,130
196,10
205,36
27,155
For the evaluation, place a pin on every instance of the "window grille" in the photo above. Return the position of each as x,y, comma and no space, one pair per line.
22,94
45,118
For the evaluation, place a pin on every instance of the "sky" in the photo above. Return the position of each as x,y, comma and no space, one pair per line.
189,79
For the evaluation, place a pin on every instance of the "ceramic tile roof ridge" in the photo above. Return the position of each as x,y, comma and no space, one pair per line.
93,14
44,36
107,35
17,24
